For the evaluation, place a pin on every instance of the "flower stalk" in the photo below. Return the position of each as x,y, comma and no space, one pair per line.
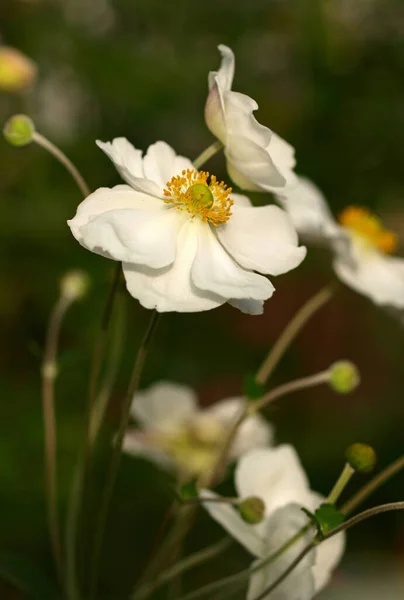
207,154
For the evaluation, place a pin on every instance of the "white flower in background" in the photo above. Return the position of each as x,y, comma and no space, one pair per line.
362,246
257,158
277,477
186,243
177,434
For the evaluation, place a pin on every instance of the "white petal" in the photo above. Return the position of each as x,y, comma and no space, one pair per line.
134,443
262,239
161,163
240,121
225,74
129,163
241,200
251,166
283,155
104,201
143,237
329,553
373,274
275,475
164,406
230,519
299,585
255,432
171,288
214,112
248,307
214,270
308,209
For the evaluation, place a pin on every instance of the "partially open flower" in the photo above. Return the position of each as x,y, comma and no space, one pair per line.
17,71
186,242
362,246
276,476
257,158
177,434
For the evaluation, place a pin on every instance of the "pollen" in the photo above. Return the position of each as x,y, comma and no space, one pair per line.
200,195
363,223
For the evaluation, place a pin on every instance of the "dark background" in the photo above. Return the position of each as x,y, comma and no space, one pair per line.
329,77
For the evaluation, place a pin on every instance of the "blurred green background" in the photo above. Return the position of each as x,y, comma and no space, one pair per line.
329,77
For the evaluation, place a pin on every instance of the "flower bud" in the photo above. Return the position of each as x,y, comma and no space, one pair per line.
361,457
17,71
344,377
74,284
19,130
252,510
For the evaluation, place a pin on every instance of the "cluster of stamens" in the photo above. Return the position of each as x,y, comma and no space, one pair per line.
201,195
363,223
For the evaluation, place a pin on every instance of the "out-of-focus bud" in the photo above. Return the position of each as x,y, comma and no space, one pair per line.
361,457
252,510
344,377
74,284
19,130
17,71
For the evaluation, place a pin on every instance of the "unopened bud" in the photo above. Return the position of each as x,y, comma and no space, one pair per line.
361,457
74,284
344,377
252,510
19,130
17,71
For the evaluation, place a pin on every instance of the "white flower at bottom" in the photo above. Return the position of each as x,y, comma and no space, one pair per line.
186,243
177,434
276,476
257,158
362,247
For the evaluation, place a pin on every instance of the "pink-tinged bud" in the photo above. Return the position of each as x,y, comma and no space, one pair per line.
17,71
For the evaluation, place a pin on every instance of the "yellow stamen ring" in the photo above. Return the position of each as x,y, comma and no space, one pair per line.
209,200
363,223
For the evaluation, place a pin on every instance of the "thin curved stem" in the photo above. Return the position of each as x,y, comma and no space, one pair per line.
79,477
377,481
49,372
62,158
182,566
117,451
291,331
287,388
207,154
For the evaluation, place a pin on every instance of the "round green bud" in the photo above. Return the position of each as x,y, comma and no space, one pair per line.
19,130
252,510
361,457
74,284
344,377
201,194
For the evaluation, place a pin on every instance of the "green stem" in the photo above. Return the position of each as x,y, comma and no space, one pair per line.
49,372
291,331
367,514
340,484
182,566
207,154
62,158
377,481
287,388
117,451
80,474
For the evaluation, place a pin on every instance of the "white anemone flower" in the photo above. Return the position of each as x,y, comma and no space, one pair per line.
362,247
186,243
177,434
257,158
277,477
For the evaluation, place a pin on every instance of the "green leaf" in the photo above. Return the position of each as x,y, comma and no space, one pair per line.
328,517
25,576
251,389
